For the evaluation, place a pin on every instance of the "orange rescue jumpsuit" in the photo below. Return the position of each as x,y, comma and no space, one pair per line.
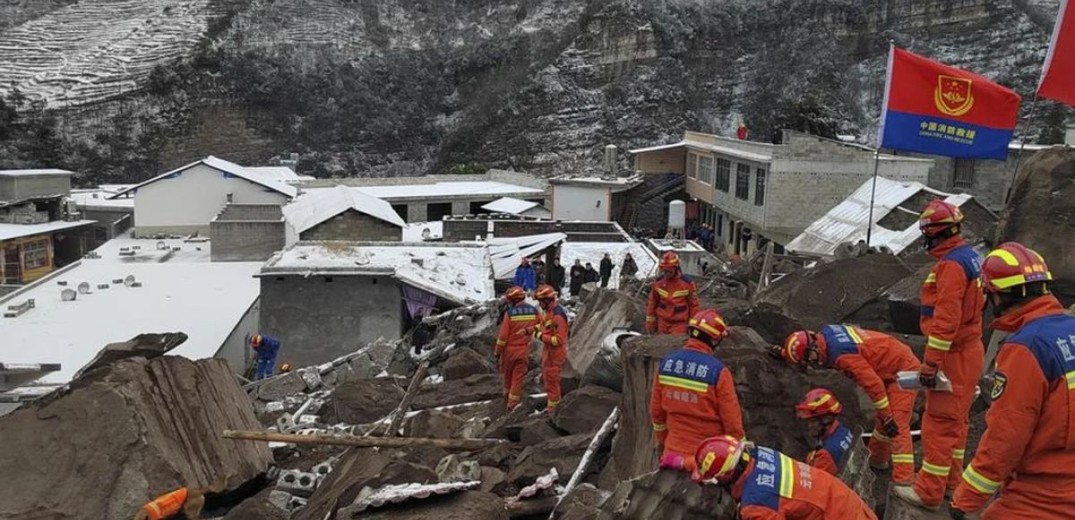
166,505
829,454
872,359
1028,451
777,487
672,302
693,398
952,303
554,331
513,348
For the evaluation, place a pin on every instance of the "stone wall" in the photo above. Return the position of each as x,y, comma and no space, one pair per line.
245,241
251,212
352,225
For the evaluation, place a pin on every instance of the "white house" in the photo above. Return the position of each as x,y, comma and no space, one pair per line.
592,199
184,200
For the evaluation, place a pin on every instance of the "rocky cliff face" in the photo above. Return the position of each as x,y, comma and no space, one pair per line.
387,87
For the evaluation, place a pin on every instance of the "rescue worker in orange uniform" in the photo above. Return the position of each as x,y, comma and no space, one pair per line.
553,334
512,350
821,411
673,299
693,394
951,320
769,485
871,359
1028,452
182,501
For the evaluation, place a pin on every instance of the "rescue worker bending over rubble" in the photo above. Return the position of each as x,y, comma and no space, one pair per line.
1027,456
693,394
673,299
265,350
951,320
553,334
832,440
513,343
872,359
769,485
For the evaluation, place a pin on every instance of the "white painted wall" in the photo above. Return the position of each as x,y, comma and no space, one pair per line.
188,202
580,203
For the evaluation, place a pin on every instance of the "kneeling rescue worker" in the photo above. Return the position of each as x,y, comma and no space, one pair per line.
513,343
769,485
553,334
871,359
1027,456
832,440
673,299
693,394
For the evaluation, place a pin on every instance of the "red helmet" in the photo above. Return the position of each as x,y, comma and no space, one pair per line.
545,292
717,457
669,261
515,294
1013,265
818,402
797,345
938,216
709,326
255,341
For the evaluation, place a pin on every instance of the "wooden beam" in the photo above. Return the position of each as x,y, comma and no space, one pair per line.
405,404
362,442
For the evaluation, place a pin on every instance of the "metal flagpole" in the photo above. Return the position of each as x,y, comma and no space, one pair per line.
1022,145
873,195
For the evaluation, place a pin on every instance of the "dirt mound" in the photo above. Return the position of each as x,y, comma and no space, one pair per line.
1040,214
768,391
124,433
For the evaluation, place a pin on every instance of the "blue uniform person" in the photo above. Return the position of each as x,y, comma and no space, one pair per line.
265,350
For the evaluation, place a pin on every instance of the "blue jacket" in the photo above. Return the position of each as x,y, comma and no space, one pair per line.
526,277
269,347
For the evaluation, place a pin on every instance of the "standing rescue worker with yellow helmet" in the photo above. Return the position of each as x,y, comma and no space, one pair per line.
673,299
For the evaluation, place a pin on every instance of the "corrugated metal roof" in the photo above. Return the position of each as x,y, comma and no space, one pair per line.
317,206
847,221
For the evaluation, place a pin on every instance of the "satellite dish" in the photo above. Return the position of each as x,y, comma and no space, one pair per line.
129,280
460,279
84,288
425,233
362,259
68,295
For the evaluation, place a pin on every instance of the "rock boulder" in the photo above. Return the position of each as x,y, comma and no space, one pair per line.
585,409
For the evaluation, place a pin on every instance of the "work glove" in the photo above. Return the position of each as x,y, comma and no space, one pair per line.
956,514
889,427
927,374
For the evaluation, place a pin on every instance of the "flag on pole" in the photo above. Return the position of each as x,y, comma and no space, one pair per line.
1058,75
936,109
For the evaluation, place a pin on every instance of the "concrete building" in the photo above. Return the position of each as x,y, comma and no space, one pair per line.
342,213
591,199
895,220
247,233
517,207
753,192
184,200
38,231
988,180
326,299
503,226
111,217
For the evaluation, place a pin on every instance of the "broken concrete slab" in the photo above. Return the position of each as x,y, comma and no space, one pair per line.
465,362
768,390
356,470
562,453
856,472
366,400
582,503
468,505
585,409
125,433
433,423
147,346
452,468
479,387
493,480
601,313
669,495
532,430
258,507
280,387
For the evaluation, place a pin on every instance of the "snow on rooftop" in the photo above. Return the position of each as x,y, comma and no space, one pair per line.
13,231
32,173
275,173
510,205
416,231
316,206
181,294
268,177
663,244
847,221
98,197
457,272
448,189
593,252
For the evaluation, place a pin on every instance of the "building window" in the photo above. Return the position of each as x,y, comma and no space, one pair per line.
35,255
759,187
724,170
742,181
964,174
692,166
705,170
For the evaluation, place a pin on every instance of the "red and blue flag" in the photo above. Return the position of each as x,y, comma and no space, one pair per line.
936,109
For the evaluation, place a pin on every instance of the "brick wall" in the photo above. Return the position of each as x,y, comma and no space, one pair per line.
352,225
991,179
251,212
661,161
245,241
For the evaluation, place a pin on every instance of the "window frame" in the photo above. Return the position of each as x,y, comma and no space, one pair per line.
36,248
963,173
722,176
705,172
760,178
742,180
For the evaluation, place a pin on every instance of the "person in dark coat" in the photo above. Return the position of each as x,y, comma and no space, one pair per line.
606,270
556,275
629,267
590,275
578,273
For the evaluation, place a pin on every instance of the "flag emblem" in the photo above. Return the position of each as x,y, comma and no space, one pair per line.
953,95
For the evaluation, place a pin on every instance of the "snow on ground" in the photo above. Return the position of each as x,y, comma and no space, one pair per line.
414,231
449,189
593,252
180,292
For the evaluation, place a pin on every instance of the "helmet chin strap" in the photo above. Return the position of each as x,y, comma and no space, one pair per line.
932,241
